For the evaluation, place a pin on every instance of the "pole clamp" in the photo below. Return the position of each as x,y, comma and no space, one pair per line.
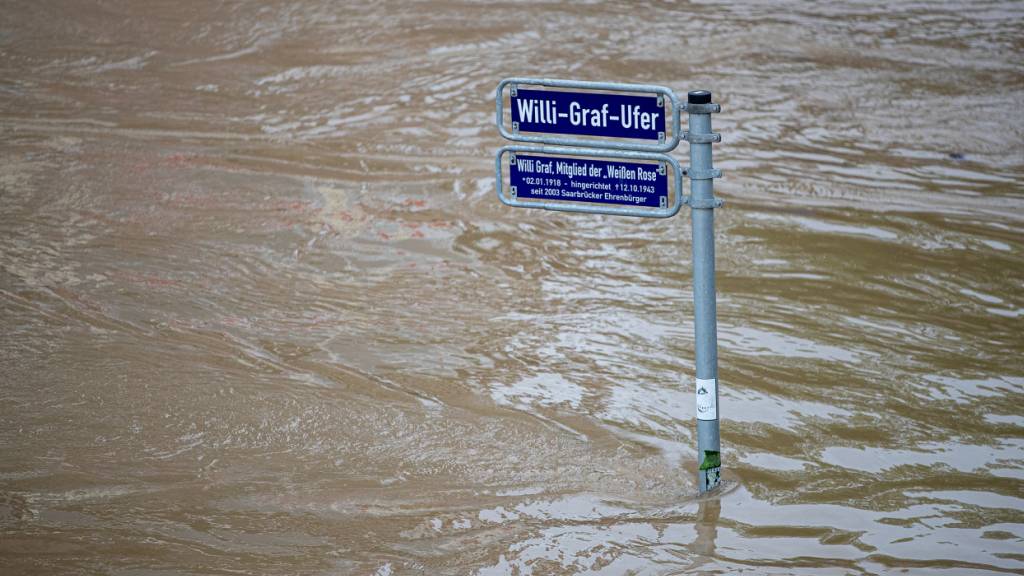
700,108
702,138
703,204
702,174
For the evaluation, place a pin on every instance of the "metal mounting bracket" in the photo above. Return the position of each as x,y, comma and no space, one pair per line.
702,174
702,138
703,204
700,108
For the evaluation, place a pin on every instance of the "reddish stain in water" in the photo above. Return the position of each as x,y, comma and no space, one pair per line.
180,159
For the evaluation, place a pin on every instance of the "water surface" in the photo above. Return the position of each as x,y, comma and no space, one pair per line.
262,312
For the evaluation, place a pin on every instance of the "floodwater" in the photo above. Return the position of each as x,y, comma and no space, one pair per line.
263,314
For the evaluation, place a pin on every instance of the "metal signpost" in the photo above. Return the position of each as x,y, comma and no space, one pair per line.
602,152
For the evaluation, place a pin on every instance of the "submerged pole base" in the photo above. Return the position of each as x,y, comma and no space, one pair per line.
710,472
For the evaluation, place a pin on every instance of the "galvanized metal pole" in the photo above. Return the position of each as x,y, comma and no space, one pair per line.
702,203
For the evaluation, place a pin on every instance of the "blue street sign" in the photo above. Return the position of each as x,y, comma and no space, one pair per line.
588,114
574,113
586,180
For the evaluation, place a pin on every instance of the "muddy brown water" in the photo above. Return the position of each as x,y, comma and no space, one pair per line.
263,314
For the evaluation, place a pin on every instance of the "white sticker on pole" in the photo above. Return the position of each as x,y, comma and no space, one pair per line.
707,399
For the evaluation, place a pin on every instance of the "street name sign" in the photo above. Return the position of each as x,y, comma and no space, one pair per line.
583,180
589,180
637,117
589,113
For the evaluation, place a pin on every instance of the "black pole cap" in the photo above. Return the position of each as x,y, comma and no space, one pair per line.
699,97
